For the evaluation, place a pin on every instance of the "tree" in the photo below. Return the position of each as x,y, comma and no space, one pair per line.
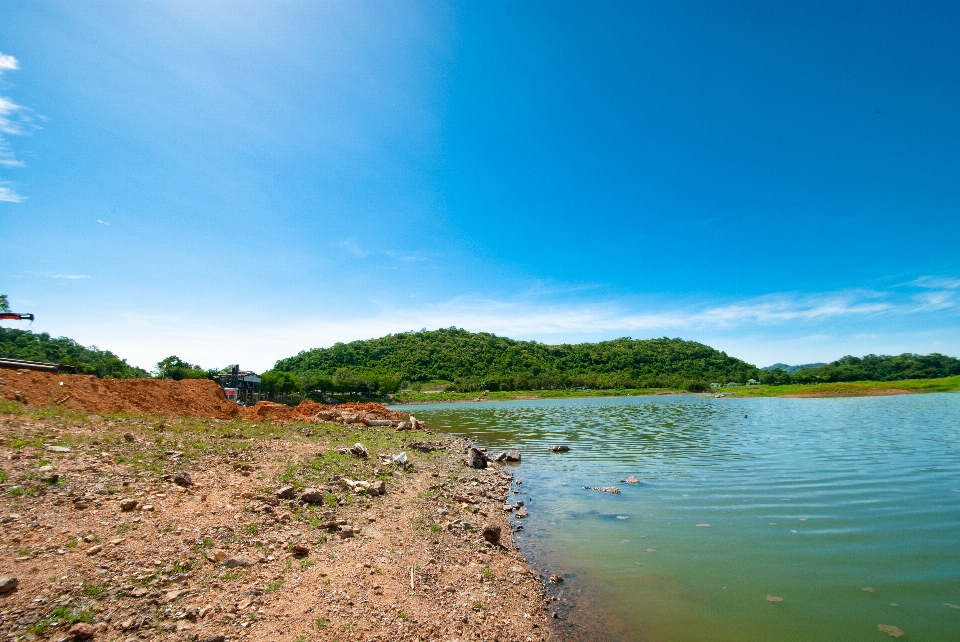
173,367
4,303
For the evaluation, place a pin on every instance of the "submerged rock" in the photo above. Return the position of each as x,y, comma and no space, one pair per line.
613,490
559,449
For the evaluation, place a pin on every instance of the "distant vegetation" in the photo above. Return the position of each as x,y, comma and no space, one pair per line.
23,344
462,361
870,368
791,369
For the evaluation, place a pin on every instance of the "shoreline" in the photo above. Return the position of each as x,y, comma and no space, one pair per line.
229,553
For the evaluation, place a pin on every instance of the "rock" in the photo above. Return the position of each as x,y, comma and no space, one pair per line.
378,488
81,631
401,459
128,436
93,550
522,513
630,480
182,479
346,531
491,533
360,450
311,496
556,579
613,490
128,504
217,555
507,508
476,459
58,449
890,630
559,449
299,549
501,457
285,492
213,637
8,584
513,455
239,560
191,613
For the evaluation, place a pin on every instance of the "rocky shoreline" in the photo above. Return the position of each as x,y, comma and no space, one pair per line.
130,527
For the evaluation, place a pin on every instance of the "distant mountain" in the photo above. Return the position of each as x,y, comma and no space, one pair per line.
791,369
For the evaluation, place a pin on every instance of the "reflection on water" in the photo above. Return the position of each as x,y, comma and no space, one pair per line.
809,500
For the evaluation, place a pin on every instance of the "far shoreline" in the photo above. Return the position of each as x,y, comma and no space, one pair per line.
790,391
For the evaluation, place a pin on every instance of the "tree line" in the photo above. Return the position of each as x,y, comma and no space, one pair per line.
473,361
25,345
870,368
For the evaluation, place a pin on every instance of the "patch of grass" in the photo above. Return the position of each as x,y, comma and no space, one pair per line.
252,529
94,590
488,574
125,526
64,614
71,544
230,575
478,605
435,528
401,615
275,585
3,476
305,564
321,623
847,389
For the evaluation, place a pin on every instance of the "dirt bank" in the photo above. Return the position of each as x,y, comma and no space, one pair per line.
96,529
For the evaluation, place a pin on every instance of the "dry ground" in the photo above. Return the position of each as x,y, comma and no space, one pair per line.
223,556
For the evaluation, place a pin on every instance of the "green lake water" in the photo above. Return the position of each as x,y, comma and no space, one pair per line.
808,500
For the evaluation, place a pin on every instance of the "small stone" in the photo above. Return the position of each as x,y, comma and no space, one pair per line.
286,492
58,449
213,637
513,455
299,549
93,550
890,630
631,480
559,449
182,479
378,487
128,436
556,579
128,504
346,531
501,457
491,533
8,584
360,450
521,513
217,556
147,507
81,631
239,560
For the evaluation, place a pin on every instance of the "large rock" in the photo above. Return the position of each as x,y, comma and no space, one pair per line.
476,459
559,449
360,450
182,479
491,533
513,455
128,504
378,488
312,496
81,631
8,583
286,492
239,560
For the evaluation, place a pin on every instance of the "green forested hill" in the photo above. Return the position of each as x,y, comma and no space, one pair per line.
478,361
23,344
871,368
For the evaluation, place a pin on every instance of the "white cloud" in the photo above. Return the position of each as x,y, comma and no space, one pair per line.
936,283
8,195
8,62
70,277
102,222
353,247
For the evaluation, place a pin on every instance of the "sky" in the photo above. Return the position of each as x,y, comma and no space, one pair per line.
234,182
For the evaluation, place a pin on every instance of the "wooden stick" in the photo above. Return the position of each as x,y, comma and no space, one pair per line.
411,579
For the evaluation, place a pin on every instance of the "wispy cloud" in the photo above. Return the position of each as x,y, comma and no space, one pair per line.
936,283
15,120
405,257
353,247
102,222
70,277
8,195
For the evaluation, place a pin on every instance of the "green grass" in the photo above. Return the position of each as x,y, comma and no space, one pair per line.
94,590
411,397
848,389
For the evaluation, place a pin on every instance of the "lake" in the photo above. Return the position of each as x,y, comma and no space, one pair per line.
846,509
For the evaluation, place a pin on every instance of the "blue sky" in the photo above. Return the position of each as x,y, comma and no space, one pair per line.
236,182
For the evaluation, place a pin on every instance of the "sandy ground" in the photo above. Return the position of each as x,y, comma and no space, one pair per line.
221,557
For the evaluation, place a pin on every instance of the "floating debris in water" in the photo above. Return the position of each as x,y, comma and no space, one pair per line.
622,517
792,531
651,550
869,590
638,563
772,523
771,598
894,604
803,519
952,606
890,630
704,525
630,480
624,541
